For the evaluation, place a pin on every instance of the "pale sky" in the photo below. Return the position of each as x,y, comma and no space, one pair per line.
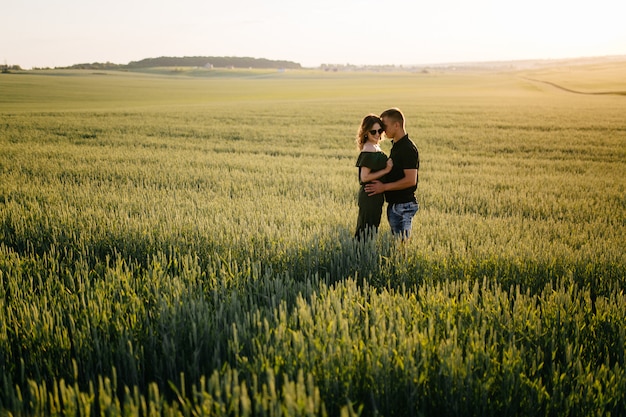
51,33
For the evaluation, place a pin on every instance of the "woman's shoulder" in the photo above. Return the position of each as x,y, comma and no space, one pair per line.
366,158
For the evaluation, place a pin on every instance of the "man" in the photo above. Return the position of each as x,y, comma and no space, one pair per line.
400,184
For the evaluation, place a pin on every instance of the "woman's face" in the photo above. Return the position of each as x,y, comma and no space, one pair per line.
373,135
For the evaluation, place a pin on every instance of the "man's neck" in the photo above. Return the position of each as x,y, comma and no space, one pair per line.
399,136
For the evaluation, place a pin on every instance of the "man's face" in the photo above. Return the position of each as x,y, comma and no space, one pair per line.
391,127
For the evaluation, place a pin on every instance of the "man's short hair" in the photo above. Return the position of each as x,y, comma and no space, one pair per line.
394,114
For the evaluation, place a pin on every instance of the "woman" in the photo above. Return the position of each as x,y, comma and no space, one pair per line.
373,164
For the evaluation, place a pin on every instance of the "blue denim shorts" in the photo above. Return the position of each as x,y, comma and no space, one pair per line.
400,216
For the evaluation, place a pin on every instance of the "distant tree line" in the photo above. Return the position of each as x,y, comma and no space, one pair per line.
97,66
194,61
8,68
214,61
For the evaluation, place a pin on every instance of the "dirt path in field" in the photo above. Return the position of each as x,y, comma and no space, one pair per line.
569,90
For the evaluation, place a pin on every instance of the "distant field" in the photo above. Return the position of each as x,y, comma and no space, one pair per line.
180,242
597,78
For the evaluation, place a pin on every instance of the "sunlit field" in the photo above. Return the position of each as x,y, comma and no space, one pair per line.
180,243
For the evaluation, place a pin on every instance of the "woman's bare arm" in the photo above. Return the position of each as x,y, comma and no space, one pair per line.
367,175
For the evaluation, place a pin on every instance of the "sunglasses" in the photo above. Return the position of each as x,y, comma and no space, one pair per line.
374,131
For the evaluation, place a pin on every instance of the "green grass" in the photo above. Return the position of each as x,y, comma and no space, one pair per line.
182,244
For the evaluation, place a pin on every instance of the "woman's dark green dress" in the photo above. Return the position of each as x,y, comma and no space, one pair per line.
370,208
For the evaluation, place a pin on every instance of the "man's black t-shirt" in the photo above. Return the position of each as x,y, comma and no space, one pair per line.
405,156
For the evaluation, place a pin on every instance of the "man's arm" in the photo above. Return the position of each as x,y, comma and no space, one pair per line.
409,180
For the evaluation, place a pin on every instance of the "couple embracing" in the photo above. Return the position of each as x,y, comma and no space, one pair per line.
393,179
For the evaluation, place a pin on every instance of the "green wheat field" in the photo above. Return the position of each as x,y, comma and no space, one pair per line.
181,243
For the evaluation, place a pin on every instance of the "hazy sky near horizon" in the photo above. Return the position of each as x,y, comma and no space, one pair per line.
44,33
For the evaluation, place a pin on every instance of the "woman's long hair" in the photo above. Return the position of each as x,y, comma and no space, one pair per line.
366,125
